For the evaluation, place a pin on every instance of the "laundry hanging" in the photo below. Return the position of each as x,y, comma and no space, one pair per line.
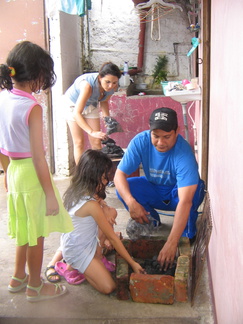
75,7
72,7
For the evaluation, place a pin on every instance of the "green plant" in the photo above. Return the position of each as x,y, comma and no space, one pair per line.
160,73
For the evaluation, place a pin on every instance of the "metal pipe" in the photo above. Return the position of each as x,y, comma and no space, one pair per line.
184,112
175,45
141,44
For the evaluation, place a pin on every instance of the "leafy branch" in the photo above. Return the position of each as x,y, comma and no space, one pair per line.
160,73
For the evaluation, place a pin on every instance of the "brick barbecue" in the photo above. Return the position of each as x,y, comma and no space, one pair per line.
153,288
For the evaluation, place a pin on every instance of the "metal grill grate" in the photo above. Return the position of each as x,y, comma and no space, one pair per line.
200,248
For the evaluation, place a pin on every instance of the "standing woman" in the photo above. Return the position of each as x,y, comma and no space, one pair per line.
89,92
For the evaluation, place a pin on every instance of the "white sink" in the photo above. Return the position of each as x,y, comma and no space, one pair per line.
184,96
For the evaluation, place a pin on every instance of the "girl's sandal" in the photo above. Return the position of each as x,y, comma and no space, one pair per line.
51,275
23,284
110,266
62,290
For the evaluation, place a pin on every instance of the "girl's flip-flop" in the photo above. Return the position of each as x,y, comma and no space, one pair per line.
73,277
60,268
110,266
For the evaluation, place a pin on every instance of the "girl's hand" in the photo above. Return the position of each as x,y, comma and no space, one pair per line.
112,221
52,207
137,268
98,134
4,161
5,182
110,214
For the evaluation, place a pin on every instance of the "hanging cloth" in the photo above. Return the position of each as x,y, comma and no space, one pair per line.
75,7
72,7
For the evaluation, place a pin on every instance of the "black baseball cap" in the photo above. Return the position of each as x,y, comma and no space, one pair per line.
164,119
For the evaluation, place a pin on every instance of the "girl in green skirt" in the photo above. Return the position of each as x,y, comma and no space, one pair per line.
34,204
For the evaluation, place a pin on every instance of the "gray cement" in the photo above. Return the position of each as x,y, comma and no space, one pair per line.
83,304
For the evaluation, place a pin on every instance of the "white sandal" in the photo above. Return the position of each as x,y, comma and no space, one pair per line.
19,287
40,297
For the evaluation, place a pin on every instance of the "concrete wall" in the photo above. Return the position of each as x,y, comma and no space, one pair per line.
225,172
114,36
111,34
65,40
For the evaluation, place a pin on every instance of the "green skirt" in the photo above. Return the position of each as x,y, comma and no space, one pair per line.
27,206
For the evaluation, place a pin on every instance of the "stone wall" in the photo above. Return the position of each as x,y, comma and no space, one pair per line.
110,32
114,35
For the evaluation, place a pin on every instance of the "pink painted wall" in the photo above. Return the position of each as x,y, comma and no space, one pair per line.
24,20
20,20
225,169
133,114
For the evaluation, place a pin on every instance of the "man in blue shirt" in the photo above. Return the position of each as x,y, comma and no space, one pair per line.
171,180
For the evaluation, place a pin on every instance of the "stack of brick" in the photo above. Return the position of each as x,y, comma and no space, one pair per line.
147,288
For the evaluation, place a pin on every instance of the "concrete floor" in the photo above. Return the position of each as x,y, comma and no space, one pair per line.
83,304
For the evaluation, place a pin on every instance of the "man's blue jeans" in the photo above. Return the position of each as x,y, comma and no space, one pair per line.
149,196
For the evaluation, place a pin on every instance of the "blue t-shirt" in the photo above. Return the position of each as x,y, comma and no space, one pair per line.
177,166
92,78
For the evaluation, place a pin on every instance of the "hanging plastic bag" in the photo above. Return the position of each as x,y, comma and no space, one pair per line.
112,125
136,230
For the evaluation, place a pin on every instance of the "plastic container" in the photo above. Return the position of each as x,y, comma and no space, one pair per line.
124,81
166,85
125,69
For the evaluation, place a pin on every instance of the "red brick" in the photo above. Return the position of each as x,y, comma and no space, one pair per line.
147,288
122,278
181,290
183,261
184,246
143,249
123,292
155,289
182,278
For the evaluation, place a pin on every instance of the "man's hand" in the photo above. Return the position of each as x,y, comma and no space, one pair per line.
167,255
138,213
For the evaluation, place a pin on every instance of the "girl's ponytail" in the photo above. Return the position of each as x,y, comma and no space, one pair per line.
6,73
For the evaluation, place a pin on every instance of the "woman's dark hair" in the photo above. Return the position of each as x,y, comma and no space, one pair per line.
30,63
87,178
109,68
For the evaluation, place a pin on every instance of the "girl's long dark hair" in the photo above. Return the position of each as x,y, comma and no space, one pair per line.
31,63
87,178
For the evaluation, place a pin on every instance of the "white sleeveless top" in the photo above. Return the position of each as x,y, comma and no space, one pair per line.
79,246
15,108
